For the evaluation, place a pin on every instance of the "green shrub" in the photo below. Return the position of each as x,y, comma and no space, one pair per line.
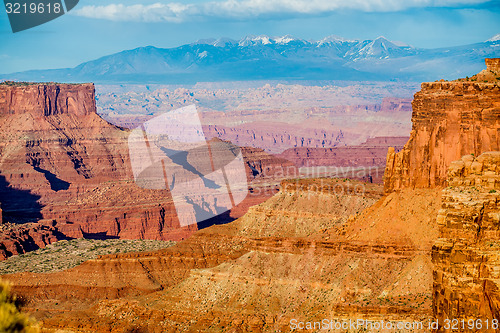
11,319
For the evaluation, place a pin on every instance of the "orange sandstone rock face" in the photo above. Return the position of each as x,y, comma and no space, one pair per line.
47,99
466,256
19,238
450,119
54,147
57,155
493,64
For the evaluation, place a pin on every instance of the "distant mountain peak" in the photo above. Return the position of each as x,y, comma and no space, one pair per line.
221,42
252,40
267,40
494,38
383,43
285,39
335,39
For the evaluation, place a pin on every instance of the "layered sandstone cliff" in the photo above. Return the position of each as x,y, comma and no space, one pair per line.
53,147
47,99
466,256
21,238
450,119
55,150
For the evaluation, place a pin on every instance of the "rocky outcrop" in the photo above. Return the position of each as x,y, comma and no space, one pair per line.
450,119
54,147
304,206
263,166
466,256
22,238
493,64
58,157
392,104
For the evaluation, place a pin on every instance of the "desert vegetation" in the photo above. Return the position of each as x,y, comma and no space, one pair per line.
65,254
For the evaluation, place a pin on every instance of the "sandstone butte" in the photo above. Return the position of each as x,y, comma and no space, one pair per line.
320,248
66,172
450,119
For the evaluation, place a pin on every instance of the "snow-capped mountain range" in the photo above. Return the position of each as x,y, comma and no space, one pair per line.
285,57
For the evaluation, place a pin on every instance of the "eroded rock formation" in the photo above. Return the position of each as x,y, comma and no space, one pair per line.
21,238
62,163
450,119
54,147
493,64
47,99
466,256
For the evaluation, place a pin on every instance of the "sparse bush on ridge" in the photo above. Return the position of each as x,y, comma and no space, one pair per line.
65,254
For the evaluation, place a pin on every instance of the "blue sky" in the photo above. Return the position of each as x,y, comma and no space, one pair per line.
97,28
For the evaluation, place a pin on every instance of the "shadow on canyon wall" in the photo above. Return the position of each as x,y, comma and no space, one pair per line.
216,220
56,184
18,206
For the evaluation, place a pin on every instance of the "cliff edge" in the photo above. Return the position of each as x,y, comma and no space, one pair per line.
47,99
450,120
